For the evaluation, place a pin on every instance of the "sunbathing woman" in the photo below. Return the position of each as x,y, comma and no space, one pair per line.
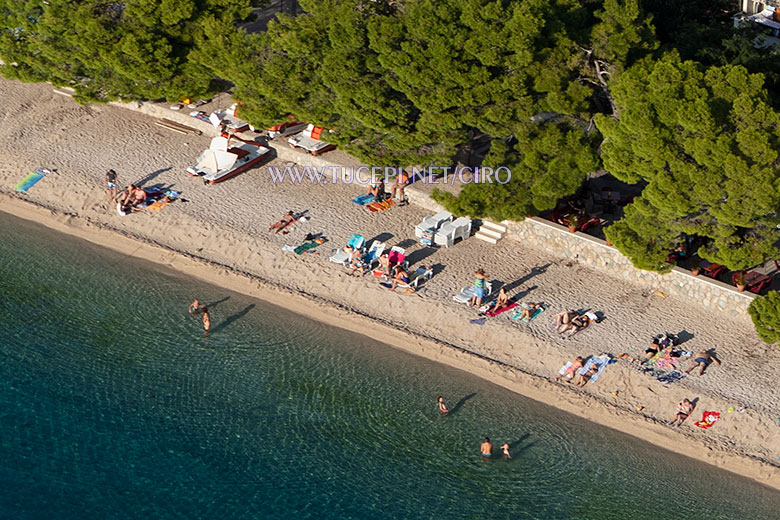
584,378
501,301
283,223
571,371
528,311
563,318
401,276
575,325
384,264
356,262
684,410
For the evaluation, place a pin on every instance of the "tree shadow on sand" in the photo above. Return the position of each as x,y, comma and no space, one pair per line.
230,319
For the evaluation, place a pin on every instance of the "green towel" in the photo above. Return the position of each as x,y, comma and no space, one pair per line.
305,247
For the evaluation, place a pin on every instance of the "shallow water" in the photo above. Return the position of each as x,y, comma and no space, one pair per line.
114,404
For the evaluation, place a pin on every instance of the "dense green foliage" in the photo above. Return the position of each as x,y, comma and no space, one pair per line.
765,312
107,50
706,143
681,101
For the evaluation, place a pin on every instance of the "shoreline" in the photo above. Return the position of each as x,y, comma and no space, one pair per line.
594,408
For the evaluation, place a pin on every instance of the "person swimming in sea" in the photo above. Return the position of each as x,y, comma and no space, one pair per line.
486,450
195,306
442,407
505,451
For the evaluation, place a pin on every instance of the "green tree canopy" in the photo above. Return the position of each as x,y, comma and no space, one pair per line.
706,141
106,50
765,312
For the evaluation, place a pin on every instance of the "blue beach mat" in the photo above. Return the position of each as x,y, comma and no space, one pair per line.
602,361
478,321
671,377
363,199
31,179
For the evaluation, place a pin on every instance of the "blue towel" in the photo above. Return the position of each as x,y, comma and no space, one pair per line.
671,377
602,362
478,321
31,179
363,199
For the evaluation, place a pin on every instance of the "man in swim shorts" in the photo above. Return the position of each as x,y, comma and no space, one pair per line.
195,307
486,450
702,360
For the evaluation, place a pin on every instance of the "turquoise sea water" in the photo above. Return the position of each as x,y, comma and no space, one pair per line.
113,404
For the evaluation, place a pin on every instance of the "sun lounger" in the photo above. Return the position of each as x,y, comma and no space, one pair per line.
340,256
602,361
432,222
374,252
465,294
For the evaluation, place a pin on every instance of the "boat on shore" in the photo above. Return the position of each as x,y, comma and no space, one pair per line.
222,161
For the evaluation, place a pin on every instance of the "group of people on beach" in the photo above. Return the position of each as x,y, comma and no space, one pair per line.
486,448
130,200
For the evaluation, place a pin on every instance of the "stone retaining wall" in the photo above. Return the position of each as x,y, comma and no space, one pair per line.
595,253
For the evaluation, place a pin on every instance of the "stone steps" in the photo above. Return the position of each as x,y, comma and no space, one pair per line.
490,232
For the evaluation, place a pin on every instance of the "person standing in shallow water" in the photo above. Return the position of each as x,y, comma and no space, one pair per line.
206,319
505,451
195,307
486,450
442,407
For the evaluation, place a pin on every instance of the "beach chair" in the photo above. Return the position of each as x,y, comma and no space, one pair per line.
374,252
465,294
450,232
432,222
420,275
340,256
396,256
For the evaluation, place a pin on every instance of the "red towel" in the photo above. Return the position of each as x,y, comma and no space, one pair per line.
512,305
707,420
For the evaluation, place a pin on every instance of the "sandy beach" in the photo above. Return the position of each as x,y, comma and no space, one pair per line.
220,235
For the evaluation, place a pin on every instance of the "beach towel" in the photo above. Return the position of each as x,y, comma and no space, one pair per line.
200,115
516,316
511,305
306,247
564,368
667,364
602,361
375,207
707,420
478,321
363,199
31,179
671,377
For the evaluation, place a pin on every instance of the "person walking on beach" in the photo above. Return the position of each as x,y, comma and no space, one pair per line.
206,319
486,450
505,451
195,307
442,407
111,185
480,282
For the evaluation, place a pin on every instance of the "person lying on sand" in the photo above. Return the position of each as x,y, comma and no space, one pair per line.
572,370
684,410
584,378
286,220
702,359
502,300
563,318
575,325
529,311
